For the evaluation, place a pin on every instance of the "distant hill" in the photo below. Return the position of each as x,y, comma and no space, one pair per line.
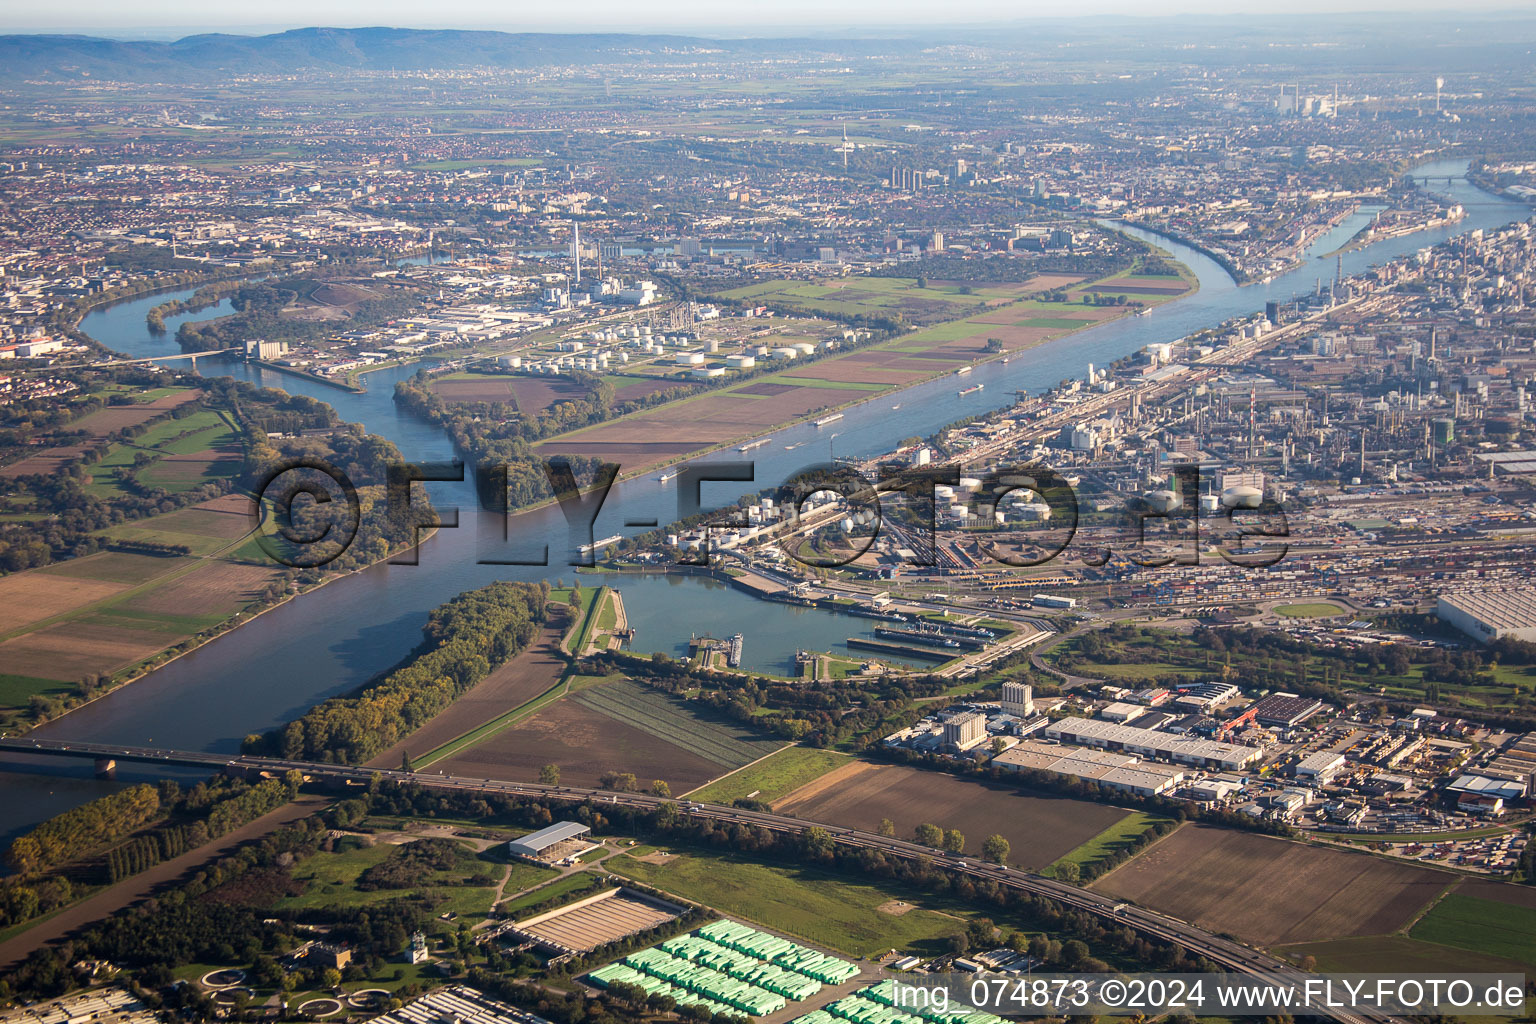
197,58
1425,45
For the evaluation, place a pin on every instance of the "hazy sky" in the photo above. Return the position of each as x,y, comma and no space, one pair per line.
163,18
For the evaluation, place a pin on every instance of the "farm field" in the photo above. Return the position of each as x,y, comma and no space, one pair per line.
29,597
204,429
1116,837
657,435
585,744
186,453
1395,954
46,461
724,743
1483,926
116,417
628,730
138,623
528,394
851,296
1272,891
204,527
112,609
519,680
773,777
854,918
962,321
1039,829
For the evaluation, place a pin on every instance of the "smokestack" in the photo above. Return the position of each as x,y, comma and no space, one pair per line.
576,247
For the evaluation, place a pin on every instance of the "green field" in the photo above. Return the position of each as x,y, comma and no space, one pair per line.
331,879
186,436
1394,954
16,690
724,743
1068,323
773,777
827,910
1118,836
1316,610
816,382
608,617
589,599
1148,653
1481,926
874,295
567,884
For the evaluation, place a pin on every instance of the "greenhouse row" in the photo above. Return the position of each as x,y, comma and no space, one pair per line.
885,993
786,954
621,974
792,985
710,984
873,1005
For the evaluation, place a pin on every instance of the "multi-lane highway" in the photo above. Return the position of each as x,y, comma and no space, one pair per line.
1225,953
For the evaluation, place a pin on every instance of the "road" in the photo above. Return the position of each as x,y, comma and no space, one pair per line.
1225,953
136,887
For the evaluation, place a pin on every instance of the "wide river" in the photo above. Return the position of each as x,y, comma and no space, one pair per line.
328,642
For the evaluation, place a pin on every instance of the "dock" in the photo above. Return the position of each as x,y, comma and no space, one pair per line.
859,643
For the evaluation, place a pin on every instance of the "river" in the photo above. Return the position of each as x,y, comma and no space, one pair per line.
270,670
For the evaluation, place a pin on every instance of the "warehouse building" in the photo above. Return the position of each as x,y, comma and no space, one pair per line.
1091,732
1116,770
1481,784
1119,711
1517,759
1285,710
1320,767
554,843
1491,614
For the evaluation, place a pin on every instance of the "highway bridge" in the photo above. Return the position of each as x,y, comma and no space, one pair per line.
1227,954
171,357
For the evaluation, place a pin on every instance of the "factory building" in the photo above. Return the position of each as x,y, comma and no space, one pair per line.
964,730
1019,699
1491,614
1091,732
1285,710
1204,695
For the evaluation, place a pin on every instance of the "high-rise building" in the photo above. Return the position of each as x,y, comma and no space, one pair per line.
1019,699
965,730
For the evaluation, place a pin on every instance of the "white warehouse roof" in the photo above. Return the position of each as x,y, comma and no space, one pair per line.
1151,743
535,843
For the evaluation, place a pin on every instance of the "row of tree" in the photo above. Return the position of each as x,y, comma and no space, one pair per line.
81,830
464,640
